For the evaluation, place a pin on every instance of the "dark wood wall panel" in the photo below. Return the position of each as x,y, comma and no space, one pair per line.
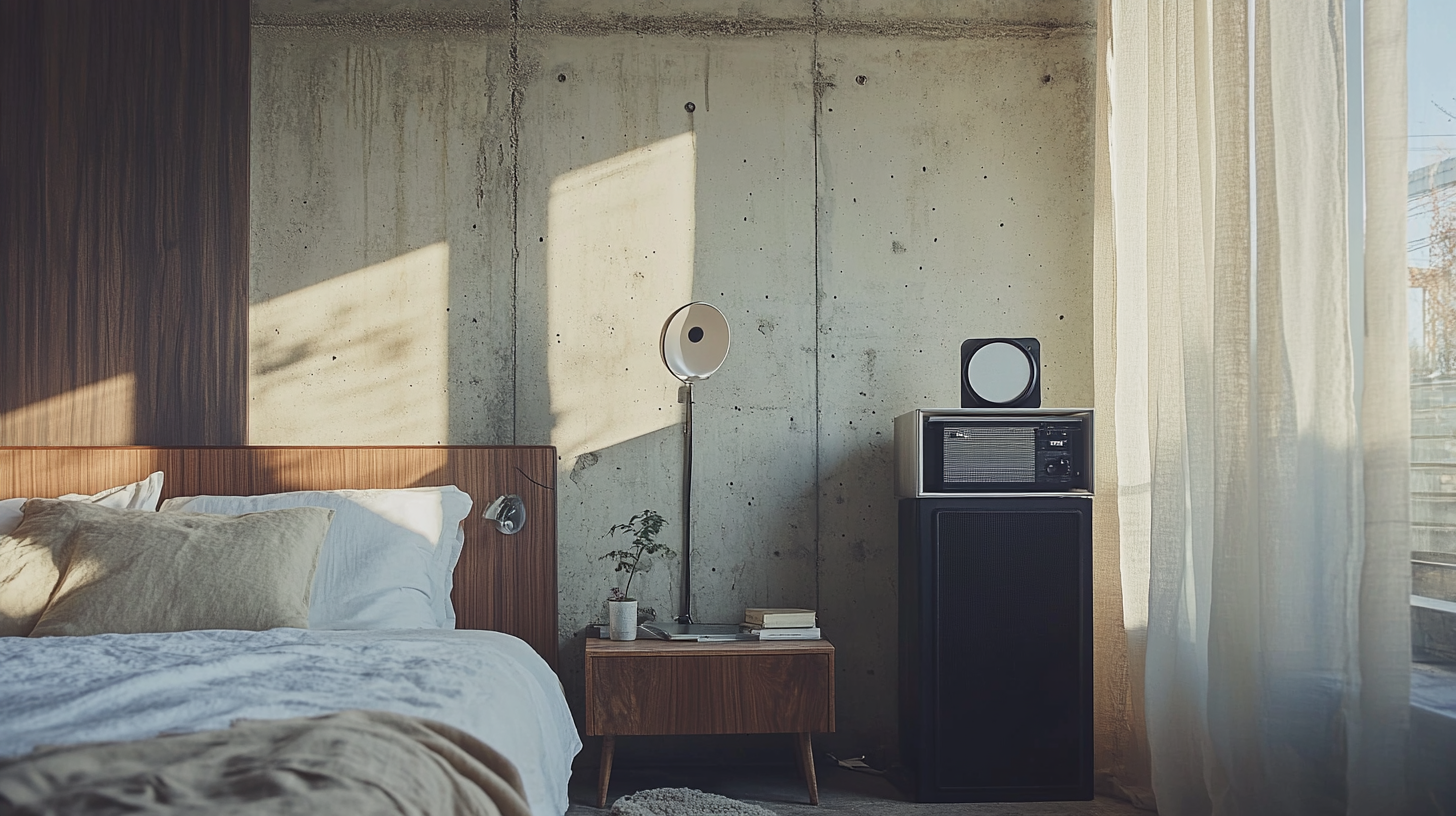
123,221
505,583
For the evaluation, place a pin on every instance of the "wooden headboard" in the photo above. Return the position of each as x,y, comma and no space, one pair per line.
505,583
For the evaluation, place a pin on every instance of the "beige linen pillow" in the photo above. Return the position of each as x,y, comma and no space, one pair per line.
98,570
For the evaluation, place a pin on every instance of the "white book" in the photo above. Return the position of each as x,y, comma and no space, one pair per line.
799,633
773,618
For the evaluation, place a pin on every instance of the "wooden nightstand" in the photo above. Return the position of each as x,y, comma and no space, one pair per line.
642,687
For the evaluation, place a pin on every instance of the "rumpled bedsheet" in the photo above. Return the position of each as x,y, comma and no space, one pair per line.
108,688
354,763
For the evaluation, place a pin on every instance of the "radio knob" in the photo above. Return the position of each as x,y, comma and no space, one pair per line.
1060,466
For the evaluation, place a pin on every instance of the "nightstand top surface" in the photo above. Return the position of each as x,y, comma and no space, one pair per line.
601,647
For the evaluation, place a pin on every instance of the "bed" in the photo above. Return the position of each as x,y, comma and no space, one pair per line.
490,677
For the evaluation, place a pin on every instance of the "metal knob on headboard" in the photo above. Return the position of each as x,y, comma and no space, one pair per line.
508,512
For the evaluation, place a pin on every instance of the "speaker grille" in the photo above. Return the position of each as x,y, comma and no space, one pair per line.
1008,653
994,454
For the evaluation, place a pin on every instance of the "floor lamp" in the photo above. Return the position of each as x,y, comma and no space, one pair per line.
694,345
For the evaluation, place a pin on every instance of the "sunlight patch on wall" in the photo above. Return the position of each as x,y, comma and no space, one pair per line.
359,359
101,413
619,260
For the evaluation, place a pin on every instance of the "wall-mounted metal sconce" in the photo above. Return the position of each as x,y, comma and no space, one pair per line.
508,513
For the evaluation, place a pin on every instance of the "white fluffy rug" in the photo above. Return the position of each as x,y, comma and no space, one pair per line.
683,802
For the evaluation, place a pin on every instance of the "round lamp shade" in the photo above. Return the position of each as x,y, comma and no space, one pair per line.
1000,373
695,341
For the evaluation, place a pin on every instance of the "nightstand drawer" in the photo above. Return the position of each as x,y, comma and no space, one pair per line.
685,693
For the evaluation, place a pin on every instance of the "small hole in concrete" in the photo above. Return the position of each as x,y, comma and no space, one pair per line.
1046,78
690,107
861,79
561,77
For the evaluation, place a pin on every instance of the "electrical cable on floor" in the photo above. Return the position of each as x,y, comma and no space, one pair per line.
856,764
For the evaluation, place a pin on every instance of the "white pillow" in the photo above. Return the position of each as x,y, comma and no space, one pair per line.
389,558
141,495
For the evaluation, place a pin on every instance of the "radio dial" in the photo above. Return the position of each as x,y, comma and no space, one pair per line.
1059,466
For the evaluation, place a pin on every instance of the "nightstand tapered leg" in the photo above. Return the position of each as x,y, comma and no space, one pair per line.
604,774
806,764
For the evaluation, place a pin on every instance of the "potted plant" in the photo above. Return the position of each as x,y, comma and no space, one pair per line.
621,606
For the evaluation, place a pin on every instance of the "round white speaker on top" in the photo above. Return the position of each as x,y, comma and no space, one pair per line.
1000,373
695,341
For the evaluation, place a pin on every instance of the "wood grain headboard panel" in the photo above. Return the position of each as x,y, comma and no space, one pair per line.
505,583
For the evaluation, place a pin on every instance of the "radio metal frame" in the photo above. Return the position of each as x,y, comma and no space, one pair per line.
910,450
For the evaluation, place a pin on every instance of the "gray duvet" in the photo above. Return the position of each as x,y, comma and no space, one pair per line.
353,763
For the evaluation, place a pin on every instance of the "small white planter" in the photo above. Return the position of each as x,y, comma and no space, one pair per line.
622,620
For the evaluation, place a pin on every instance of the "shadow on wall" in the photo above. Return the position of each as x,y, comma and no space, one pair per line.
383,162
100,413
584,577
859,555
362,358
123,278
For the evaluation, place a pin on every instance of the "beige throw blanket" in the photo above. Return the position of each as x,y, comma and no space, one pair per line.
354,763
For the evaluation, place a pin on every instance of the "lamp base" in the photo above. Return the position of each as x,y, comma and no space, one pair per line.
693,631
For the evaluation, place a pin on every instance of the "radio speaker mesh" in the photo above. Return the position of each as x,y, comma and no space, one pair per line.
995,454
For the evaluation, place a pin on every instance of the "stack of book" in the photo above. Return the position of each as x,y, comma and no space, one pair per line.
780,624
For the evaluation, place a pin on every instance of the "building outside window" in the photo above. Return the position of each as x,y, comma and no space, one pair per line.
1431,257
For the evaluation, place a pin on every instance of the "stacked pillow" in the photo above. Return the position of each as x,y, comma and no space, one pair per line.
349,559
29,574
75,568
388,561
142,495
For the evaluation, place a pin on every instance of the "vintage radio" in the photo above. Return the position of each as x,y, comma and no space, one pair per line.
981,451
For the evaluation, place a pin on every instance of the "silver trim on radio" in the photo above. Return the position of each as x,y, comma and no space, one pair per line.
910,446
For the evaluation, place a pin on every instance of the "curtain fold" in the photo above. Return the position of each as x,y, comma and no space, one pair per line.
1379,754
1258,522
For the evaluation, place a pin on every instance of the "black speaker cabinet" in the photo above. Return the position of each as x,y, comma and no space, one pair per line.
996,648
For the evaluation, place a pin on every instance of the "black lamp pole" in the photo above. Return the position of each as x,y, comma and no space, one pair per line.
685,614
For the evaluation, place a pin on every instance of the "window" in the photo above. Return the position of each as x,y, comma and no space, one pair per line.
1431,257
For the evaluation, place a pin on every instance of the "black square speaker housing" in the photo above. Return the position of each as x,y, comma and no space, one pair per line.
1001,372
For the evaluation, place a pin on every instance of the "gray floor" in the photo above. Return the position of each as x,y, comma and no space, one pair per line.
782,791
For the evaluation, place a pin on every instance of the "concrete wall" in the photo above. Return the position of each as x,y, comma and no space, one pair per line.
469,224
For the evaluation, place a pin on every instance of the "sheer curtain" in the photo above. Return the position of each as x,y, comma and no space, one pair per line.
1257,517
